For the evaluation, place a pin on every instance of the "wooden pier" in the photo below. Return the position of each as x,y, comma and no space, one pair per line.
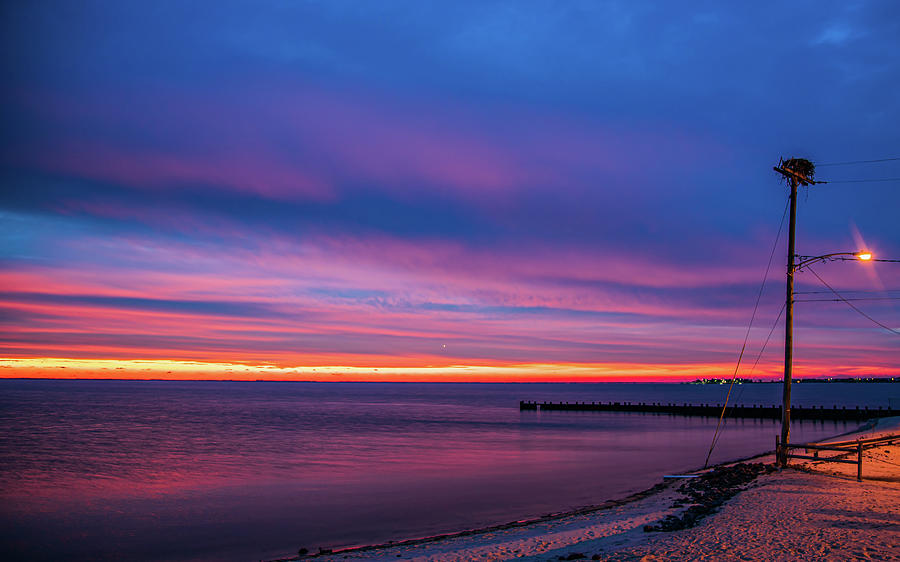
714,410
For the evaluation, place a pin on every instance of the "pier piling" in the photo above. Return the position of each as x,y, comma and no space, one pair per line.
713,410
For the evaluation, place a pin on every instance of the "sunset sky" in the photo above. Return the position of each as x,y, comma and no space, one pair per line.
397,190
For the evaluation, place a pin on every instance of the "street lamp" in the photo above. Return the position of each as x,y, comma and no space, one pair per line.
796,263
806,260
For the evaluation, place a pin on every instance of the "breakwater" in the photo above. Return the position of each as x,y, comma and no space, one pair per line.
714,410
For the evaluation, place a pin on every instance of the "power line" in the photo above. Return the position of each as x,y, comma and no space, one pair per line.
851,299
772,329
838,295
857,162
857,181
747,334
845,292
755,363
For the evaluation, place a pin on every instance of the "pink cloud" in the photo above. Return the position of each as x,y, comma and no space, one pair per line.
404,298
246,172
300,142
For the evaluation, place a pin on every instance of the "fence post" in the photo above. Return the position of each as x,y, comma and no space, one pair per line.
859,462
778,450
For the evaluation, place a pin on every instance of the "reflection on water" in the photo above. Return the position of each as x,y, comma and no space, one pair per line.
175,470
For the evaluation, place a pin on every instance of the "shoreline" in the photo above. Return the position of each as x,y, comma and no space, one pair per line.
610,530
522,523
325,553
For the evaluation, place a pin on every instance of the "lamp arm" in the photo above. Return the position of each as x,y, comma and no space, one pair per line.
806,260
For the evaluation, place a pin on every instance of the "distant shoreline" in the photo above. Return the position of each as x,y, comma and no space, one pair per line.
862,380
867,380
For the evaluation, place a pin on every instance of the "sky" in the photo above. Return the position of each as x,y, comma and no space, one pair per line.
449,191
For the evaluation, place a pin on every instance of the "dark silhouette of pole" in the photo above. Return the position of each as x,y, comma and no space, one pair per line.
788,331
798,171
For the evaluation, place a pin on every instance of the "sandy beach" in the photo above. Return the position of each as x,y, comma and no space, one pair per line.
810,511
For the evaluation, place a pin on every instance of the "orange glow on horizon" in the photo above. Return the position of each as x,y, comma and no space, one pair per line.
141,369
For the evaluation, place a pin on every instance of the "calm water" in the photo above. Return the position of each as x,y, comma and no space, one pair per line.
243,471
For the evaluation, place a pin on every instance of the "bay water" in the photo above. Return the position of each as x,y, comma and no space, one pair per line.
163,470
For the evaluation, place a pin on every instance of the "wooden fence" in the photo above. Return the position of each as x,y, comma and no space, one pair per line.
846,448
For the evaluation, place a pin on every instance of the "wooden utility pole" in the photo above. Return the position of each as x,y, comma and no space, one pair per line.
788,330
796,171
